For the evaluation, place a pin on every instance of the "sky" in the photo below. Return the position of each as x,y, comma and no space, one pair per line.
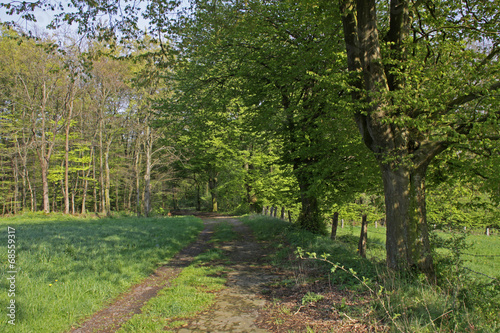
43,19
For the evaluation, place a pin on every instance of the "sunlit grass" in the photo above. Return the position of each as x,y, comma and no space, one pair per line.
192,292
68,268
223,232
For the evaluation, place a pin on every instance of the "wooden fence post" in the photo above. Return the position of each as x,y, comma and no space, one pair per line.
363,237
290,216
282,213
342,223
263,210
335,223
275,210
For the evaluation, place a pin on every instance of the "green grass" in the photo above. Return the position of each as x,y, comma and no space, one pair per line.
481,255
192,292
68,268
461,303
278,232
223,232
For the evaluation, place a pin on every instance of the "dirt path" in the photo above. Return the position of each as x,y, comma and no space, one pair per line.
237,306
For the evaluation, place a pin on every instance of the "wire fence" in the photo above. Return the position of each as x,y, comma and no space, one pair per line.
481,274
482,255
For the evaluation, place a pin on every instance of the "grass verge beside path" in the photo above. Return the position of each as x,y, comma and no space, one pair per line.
461,303
68,268
192,292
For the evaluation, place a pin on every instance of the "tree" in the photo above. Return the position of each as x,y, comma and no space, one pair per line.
280,66
424,87
36,77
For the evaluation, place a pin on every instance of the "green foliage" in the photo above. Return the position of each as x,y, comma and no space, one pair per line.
311,297
462,192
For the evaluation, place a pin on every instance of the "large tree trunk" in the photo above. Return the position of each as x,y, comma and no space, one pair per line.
396,191
407,237
403,156
418,231
309,217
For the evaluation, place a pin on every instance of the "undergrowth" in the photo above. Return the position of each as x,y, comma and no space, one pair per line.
461,302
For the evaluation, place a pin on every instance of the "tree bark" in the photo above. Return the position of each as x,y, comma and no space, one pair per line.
335,224
198,196
45,146
403,164
363,237
309,217
86,182
15,169
94,190
107,200
147,174
212,185
137,170
101,167
69,106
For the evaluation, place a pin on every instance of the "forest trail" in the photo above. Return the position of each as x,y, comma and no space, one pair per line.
237,306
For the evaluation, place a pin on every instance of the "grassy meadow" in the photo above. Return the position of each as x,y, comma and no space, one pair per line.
68,268
479,253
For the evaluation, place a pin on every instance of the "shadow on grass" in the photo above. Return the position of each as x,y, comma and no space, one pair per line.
341,251
68,268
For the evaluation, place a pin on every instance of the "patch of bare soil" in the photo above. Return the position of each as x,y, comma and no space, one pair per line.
335,310
126,305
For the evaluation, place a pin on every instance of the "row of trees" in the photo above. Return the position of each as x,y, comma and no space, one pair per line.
419,79
311,103
76,127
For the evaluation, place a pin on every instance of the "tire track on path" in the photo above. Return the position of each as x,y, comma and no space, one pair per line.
110,319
